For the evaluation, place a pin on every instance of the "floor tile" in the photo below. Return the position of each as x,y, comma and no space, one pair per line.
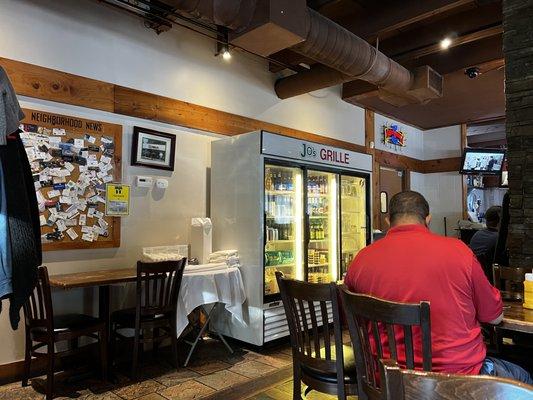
152,396
16,392
252,369
176,377
137,390
277,360
208,367
222,379
187,390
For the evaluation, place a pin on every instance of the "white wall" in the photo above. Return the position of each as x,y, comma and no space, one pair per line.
414,139
85,38
157,217
443,191
442,142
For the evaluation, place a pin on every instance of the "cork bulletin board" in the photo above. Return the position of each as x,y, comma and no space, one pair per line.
72,160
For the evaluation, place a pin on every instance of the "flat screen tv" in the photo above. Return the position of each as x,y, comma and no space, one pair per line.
483,161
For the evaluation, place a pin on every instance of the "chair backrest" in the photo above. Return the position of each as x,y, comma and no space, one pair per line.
509,274
38,311
379,322
403,384
486,264
158,286
306,308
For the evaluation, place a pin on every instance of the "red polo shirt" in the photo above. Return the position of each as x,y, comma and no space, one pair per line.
411,264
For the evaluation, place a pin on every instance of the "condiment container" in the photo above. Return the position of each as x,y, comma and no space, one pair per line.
528,291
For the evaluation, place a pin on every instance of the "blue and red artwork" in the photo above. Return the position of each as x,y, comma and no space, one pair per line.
393,135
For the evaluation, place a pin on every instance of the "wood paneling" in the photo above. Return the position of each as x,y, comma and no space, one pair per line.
441,165
464,144
370,136
400,162
48,84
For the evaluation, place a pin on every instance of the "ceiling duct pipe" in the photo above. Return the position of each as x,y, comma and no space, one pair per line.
266,26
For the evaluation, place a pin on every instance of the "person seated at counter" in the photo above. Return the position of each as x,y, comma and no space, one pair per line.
411,264
483,243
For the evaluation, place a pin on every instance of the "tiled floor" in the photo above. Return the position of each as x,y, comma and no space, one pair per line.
213,373
283,391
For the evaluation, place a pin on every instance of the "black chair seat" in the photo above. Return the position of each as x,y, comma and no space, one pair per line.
71,322
126,317
350,375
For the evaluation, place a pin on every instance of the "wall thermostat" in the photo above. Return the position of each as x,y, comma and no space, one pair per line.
144,181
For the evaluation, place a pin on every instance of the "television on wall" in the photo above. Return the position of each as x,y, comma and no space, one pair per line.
482,161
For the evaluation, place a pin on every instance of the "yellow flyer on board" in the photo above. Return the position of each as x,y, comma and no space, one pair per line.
117,199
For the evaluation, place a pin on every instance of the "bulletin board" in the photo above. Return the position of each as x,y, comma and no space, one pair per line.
72,159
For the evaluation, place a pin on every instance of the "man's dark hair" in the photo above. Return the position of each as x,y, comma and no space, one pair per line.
408,203
492,216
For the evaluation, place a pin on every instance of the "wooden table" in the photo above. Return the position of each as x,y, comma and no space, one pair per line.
103,279
517,318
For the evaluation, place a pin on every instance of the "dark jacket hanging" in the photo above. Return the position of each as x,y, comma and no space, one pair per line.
21,206
23,219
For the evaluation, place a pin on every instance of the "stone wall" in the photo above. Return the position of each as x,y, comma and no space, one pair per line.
518,50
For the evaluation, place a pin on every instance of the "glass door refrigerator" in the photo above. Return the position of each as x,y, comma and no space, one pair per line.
286,205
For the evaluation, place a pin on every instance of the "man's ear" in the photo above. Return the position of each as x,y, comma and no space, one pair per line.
387,220
428,220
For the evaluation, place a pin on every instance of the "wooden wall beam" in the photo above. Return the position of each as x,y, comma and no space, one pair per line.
48,84
370,137
464,145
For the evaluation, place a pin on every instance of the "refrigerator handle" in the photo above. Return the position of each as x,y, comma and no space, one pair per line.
307,228
265,227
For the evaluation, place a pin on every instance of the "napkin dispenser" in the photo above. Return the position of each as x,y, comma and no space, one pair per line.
201,239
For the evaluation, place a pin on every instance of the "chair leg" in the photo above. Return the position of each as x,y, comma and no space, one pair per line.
296,383
155,343
174,344
135,361
27,361
50,372
103,353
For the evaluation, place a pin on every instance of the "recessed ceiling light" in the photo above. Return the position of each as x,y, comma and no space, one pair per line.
445,43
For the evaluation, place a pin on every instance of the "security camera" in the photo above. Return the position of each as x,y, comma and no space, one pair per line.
472,72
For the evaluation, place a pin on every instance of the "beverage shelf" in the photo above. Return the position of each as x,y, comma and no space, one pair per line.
280,192
280,216
281,266
318,240
280,241
317,195
319,216
318,265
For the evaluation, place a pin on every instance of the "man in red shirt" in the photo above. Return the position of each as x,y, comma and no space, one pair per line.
411,264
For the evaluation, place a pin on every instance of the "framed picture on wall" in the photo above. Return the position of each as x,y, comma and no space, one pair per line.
153,149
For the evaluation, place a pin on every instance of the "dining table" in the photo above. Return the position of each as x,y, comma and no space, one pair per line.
200,287
516,317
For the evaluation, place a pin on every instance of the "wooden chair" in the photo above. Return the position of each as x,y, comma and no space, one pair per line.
513,279
43,328
322,365
369,315
154,316
402,384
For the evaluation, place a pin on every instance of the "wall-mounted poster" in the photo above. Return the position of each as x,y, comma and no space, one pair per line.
153,149
117,200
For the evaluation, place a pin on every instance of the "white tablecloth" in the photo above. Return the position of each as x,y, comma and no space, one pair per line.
207,286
